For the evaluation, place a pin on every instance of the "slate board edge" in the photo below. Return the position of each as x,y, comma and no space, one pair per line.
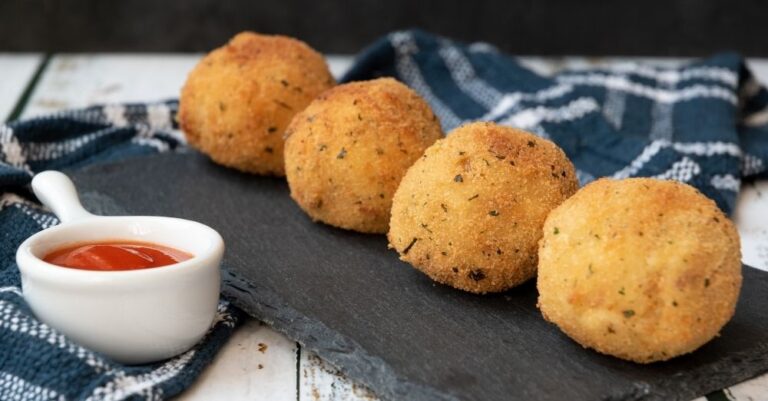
330,345
741,366
374,373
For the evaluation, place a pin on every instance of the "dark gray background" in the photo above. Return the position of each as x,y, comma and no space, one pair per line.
544,27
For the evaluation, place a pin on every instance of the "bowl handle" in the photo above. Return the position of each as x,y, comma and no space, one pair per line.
55,190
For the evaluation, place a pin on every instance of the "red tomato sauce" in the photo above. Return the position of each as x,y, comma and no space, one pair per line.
116,255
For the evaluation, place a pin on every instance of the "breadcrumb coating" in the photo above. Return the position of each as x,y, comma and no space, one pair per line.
641,269
347,152
238,100
470,212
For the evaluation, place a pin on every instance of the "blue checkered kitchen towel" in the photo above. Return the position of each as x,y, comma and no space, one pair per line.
36,362
705,124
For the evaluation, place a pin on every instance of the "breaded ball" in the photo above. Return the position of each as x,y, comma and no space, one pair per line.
238,100
641,269
469,213
347,152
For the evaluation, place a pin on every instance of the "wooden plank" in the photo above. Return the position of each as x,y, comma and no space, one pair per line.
752,220
759,67
78,80
73,81
319,381
752,390
17,71
256,364
339,64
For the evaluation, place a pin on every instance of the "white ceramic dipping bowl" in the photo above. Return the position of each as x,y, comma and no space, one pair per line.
131,316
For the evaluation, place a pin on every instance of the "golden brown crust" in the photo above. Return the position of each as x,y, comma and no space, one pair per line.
348,150
641,269
238,100
469,213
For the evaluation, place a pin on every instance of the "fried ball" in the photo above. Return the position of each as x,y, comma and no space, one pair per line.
469,213
641,269
347,152
239,99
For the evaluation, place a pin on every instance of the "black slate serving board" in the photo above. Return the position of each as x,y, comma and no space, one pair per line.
347,297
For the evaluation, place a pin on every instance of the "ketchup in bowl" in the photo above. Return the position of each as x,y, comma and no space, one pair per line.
116,255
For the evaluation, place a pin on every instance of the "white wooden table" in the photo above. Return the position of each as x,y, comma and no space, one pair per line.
259,363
